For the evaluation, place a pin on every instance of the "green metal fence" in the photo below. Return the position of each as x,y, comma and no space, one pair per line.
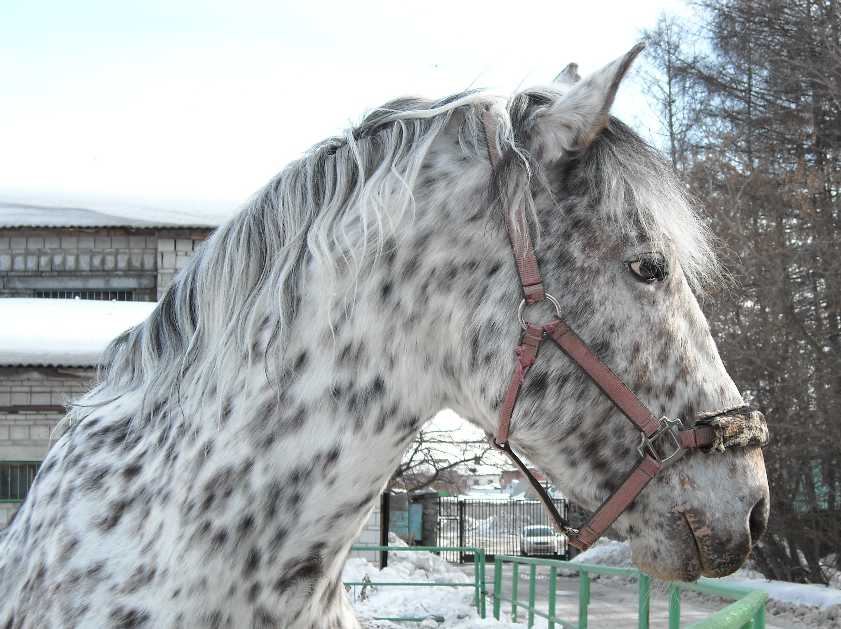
478,584
747,612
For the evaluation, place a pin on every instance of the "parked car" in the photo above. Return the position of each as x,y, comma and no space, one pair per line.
540,540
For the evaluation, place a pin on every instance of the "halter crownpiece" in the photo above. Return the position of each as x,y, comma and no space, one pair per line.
662,441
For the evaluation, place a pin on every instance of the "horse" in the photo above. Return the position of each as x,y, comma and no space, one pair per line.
236,441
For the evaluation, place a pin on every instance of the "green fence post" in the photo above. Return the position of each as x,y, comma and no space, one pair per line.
476,570
759,618
674,606
553,577
482,588
532,579
645,601
515,587
497,585
583,599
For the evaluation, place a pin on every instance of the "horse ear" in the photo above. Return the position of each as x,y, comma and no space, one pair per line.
568,76
574,120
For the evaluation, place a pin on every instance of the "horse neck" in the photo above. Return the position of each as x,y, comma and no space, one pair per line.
312,448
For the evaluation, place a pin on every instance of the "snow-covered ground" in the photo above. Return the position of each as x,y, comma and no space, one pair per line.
443,607
790,604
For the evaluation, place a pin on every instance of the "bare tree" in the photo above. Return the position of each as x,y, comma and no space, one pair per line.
443,459
676,96
763,154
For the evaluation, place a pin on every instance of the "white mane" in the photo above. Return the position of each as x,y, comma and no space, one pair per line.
333,210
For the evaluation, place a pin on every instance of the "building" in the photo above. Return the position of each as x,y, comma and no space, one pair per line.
48,252
66,275
50,346
513,475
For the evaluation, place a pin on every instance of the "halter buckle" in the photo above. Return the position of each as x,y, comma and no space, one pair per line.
663,452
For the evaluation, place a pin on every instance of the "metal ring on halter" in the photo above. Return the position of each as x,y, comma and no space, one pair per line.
522,307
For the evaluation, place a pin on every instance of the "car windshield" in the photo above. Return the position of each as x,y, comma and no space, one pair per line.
538,531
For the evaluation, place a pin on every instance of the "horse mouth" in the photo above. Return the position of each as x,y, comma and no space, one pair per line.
698,550
714,558
699,553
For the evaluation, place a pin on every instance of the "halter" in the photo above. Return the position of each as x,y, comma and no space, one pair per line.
662,441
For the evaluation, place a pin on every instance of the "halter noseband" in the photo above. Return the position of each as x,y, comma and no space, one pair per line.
662,441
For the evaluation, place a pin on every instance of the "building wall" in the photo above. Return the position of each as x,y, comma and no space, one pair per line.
370,536
141,261
173,253
145,262
32,402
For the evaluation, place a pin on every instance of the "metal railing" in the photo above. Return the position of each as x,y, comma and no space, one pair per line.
478,583
748,612
497,525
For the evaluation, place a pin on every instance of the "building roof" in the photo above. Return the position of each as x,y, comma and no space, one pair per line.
18,215
63,332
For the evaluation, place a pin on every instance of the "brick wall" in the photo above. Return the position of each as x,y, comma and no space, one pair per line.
32,402
141,261
173,253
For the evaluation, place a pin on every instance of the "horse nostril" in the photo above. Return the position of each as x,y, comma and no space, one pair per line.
758,520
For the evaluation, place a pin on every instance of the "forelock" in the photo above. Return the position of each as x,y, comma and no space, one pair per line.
638,193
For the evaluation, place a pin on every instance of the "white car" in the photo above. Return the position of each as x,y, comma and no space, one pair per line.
539,540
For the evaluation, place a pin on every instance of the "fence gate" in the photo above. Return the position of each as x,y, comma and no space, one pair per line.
495,526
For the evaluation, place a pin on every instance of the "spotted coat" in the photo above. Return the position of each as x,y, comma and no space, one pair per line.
241,436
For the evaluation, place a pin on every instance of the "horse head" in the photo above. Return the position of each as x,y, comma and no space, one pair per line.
623,251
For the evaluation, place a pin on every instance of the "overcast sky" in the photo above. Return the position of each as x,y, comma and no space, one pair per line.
200,102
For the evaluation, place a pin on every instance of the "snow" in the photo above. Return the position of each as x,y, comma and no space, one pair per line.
18,214
63,332
443,607
607,552
790,604
784,592
149,208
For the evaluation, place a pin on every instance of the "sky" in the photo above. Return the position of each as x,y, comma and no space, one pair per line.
196,104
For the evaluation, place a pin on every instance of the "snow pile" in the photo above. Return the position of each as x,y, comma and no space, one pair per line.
607,552
65,332
442,607
785,592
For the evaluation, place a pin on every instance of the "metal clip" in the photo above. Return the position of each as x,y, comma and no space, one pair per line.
522,308
663,453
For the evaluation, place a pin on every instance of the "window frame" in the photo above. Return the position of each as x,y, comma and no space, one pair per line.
25,493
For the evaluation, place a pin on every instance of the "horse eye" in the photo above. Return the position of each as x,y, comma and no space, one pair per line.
649,267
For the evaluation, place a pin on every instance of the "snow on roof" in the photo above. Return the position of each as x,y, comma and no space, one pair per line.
16,215
63,332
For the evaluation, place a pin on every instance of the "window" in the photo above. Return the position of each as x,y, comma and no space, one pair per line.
16,478
98,295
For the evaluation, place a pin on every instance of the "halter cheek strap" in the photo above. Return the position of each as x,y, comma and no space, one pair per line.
662,441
